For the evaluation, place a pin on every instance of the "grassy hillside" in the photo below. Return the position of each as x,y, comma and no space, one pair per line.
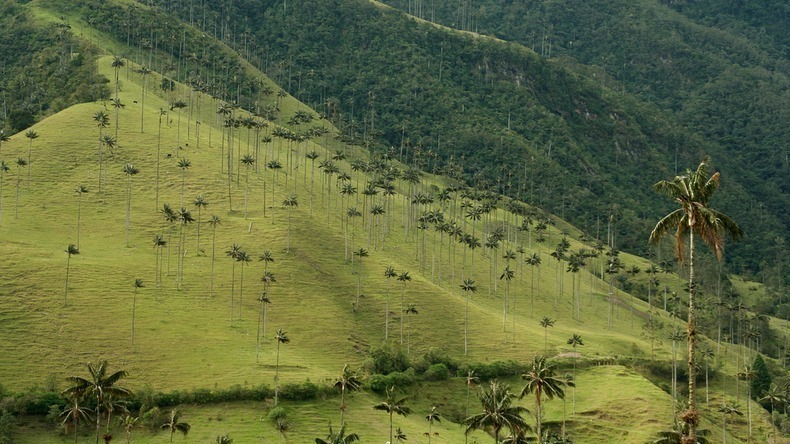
186,336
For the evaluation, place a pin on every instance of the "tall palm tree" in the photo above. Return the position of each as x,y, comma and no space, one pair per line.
233,254
498,411
282,338
138,283
393,406
3,138
507,275
75,412
4,168
290,203
467,286
410,310
20,162
346,381
178,105
200,203
130,170
118,105
546,322
263,300
100,385
471,380
248,161
184,164
728,408
338,438
145,72
174,424
574,341
692,191
214,221
80,190
31,136
70,251
162,114
542,382
102,121
244,259
533,261
389,272
159,243
360,253
431,417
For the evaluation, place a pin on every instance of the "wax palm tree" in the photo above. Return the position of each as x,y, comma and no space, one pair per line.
130,170
268,279
233,254
546,322
70,251
533,261
774,396
138,283
174,424
692,192
244,259
393,406
213,222
728,408
102,121
117,64
706,353
20,162
471,380
4,168
178,105
574,341
74,413
247,161
389,272
498,411
400,435
282,338
184,218
346,381
80,190
145,72
118,105
3,138
507,275
542,382
184,164
338,438
162,114
410,310
200,203
31,136
275,166
290,203
263,300
100,385
360,253
748,374
431,417
467,286
675,435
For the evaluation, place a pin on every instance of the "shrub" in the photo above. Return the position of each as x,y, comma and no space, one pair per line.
387,359
277,413
437,372
497,369
379,383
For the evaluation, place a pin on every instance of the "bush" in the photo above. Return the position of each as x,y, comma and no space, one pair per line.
387,359
437,372
435,356
277,413
380,383
497,369
7,426
302,391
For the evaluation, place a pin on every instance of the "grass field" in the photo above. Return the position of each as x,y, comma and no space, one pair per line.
185,333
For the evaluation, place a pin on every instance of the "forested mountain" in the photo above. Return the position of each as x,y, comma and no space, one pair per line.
615,96
718,68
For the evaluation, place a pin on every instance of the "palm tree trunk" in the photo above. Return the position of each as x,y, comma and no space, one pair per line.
134,306
692,371
277,374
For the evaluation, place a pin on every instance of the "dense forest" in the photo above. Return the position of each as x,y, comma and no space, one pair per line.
553,131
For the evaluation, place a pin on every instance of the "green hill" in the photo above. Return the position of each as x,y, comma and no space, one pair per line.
193,330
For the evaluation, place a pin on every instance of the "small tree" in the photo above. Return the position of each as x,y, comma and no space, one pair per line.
393,405
174,424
